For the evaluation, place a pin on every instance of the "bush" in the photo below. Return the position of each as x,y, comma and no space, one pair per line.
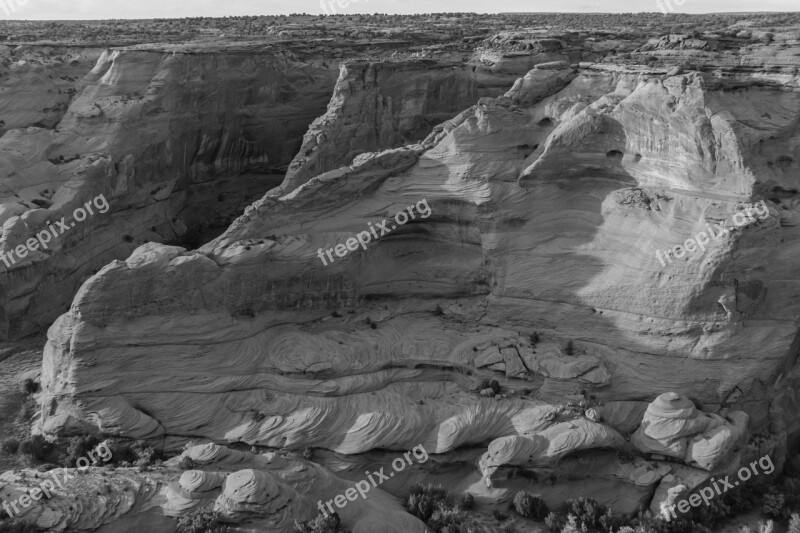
36,447
569,348
794,524
530,506
435,506
555,522
499,515
495,386
586,511
77,447
10,445
201,522
467,502
320,524
422,501
186,463
29,386
534,338
16,526
774,506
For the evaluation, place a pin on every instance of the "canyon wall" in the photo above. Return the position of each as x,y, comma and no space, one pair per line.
177,142
535,265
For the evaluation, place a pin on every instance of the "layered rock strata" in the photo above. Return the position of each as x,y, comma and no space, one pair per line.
536,267
267,492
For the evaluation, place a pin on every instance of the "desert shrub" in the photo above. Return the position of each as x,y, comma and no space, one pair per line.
572,525
320,524
586,511
451,521
29,386
495,386
17,526
435,506
769,527
555,522
794,524
467,502
569,347
77,447
774,505
528,505
186,463
499,515
534,338
201,522
36,447
10,445
422,501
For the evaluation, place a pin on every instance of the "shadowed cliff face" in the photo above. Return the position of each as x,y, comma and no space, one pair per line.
534,264
177,143
180,141
546,208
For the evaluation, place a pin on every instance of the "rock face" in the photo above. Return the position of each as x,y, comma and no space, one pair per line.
546,208
176,142
674,428
267,491
180,139
377,106
532,254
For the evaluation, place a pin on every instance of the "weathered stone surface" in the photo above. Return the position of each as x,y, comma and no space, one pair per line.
673,427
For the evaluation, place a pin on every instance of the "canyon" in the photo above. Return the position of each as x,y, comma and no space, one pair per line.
197,315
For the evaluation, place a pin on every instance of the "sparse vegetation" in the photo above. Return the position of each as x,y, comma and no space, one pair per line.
530,506
201,522
320,524
10,445
568,348
17,526
437,508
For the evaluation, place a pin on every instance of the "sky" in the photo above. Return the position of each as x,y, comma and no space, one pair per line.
107,9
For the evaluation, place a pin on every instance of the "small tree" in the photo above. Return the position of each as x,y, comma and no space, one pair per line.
794,523
201,522
320,524
530,506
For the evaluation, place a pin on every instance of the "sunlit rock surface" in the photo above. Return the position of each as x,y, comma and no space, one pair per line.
267,492
535,266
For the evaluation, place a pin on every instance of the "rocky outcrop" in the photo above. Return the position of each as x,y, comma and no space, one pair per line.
177,143
673,427
377,106
37,83
265,491
568,177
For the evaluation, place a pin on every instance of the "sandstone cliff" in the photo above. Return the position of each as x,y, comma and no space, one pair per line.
547,207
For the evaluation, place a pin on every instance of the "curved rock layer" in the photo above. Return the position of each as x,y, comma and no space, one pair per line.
546,208
179,139
381,105
265,492
175,142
